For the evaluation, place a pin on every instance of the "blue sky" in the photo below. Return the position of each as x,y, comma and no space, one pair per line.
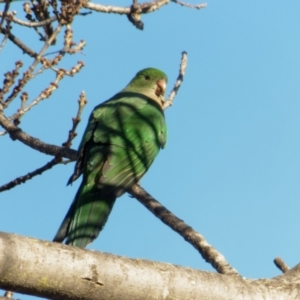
231,167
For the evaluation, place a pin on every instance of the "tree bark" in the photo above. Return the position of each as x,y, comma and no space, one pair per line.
56,271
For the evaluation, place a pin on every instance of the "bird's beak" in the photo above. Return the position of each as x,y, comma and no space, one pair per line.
161,87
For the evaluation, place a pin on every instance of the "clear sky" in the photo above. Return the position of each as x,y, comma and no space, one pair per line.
231,167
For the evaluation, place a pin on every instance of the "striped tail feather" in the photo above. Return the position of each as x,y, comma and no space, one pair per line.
86,216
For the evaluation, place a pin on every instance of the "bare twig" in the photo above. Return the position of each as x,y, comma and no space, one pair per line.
281,265
24,98
29,24
75,69
18,43
30,175
46,93
4,14
72,134
49,63
147,7
10,79
17,89
196,6
8,28
77,48
69,45
107,8
182,69
16,133
68,38
57,160
29,10
38,57
45,47
40,9
208,252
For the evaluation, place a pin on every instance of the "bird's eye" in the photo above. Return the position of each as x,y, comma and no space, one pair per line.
147,77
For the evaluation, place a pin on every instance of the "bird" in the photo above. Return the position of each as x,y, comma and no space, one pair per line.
123,136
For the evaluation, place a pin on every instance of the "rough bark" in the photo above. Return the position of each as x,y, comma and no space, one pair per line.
58,271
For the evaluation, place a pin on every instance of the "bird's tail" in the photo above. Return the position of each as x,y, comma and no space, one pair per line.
86,216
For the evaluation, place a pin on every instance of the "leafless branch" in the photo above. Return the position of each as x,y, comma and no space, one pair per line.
24,98
208,252
18,43
8,27
16,133
182,69
56,160
30,24
46,93
72,134
10,78
31,13
107,8
40,9
78,47
281,265
17,89
196,6
143,8
30,175
45,47
4,14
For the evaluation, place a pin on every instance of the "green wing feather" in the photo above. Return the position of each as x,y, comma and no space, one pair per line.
123,136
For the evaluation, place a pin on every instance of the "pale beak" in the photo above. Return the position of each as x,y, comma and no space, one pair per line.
161,87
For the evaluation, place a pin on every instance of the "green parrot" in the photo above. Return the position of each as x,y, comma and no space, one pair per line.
123,136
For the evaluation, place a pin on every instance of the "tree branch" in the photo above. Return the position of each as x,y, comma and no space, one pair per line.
10,78
4,14
16,133
196,6
30,175
56,271
281,265
144,8
208,252
29,24
182,69
18,43
46,93
72,133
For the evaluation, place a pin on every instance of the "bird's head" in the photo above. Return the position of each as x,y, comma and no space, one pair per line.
150,82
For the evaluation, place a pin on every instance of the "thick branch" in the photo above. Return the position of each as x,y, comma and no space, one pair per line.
56,271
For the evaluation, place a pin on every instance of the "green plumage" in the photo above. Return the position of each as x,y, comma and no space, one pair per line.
122,138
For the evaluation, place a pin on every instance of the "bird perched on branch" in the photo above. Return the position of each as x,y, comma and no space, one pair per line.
123,136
